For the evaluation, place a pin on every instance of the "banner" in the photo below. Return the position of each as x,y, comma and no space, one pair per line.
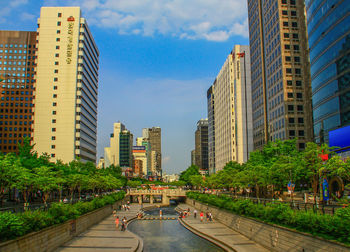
325,187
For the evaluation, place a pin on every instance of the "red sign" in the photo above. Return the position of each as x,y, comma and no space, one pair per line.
324,157
71,19
241,55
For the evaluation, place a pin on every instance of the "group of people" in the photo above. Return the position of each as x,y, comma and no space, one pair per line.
117,220
126,207
185,213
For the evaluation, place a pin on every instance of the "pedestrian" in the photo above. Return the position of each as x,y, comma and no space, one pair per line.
128,208
160,213
117,222
114,213
210,217
195,213
207,216
201,215
124,221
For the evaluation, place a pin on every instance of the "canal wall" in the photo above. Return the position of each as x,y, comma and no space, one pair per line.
272,237
52,237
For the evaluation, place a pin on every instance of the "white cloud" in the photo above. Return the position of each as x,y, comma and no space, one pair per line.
27,17
213,20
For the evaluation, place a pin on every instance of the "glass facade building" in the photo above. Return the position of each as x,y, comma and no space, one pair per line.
329,42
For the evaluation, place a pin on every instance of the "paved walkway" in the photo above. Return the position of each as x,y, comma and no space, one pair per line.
104,236
219,232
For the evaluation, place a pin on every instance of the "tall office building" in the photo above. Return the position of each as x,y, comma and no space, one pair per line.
125,149
139,153
231,114
111,153
154,136
329,42
201,145
17,83
211,129
193,157
65,116
280,70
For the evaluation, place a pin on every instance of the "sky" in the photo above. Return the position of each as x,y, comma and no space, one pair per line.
157,60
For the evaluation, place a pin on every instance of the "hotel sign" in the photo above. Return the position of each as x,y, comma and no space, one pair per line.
70,39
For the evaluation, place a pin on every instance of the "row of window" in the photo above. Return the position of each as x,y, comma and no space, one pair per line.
18,86
16,45
17,92
16,104
16,98
16,69
5,135
14,129
15,117
15,111
16,57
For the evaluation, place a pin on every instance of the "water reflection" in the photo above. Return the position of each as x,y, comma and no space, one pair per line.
169,235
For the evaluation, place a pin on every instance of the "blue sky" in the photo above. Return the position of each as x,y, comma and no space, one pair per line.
157,60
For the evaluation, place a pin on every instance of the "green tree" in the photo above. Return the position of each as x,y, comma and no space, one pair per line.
191,170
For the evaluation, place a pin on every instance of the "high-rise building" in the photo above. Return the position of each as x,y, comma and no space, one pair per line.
139,153
211,129
201,145
329,42
280,70
125,149
65,116
111,153
154,136
230,116
193,157
17,83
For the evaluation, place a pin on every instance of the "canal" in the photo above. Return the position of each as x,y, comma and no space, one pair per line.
168,235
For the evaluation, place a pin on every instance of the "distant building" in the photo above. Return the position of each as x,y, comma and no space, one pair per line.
137,168
193,157
101,163
139,153
125,149
201,144
329,43
154,137
17,83
111,153
65,117
211,129
170,178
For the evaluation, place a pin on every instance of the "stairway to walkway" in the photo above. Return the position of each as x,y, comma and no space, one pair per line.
105,237
219,233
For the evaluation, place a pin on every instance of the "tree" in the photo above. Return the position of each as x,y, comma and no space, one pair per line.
45,181
196,180
191,170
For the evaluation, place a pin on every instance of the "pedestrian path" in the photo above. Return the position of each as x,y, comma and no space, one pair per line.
104,236
219,233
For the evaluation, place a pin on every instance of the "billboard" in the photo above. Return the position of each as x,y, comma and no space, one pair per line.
139,147
340,138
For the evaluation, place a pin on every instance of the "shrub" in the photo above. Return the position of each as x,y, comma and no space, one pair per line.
335,227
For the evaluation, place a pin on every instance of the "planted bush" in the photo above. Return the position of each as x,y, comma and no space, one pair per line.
336,227
15,225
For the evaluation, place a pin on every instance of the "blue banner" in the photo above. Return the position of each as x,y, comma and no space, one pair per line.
325,189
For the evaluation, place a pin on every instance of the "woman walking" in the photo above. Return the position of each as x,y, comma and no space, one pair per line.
117,222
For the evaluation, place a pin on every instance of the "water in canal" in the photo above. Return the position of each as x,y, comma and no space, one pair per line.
168,235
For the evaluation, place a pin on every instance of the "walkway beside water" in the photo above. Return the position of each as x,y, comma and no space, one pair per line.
104,236
219,233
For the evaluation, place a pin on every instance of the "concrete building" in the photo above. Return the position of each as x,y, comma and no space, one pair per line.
280,70
65,116
193,157
125,149
329,42
17,83
211,129
201,145
154,137
139,153
231,113
137,168
111,153
101,163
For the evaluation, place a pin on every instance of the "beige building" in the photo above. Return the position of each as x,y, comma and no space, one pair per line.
232,109
65,115
281,89
111,153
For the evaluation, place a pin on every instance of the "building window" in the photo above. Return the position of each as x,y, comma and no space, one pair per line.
287,47
54,95
289,83
292,133
59,23
56,63
53,146
294,24
53,129
292,2
288,58
56,70
285,24
284,1
301,133
54,87
300,120
297,71
286,35
290,95
53,138
290,108
54,104
284,12
293,13
301,145
297,59
291,120
298,83
300,107
58,39
55,79
53,155
58,31
299,95
54,113
295,36
288,70
57,55
53,120
59,14
296,47
57,47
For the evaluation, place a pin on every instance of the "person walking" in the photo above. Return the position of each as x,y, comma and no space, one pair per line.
160,213
195,213
201,216
124,223
210,217
117,222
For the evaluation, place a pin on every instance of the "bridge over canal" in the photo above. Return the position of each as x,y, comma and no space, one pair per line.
166,194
